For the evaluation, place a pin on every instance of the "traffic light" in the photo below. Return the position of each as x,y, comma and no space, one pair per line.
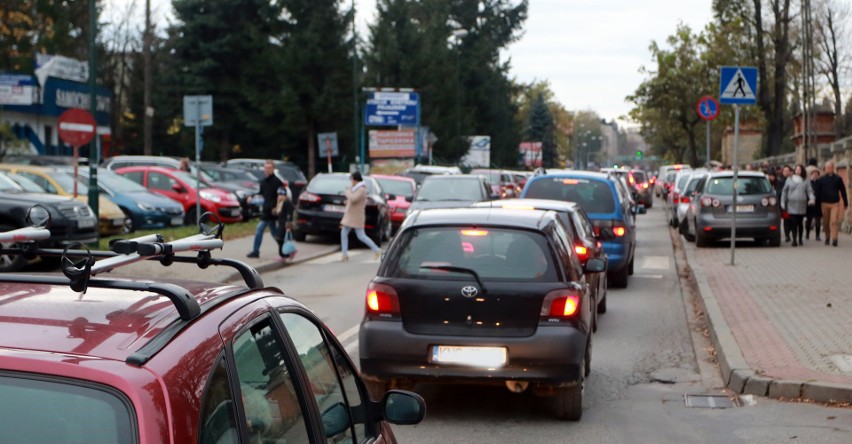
639,154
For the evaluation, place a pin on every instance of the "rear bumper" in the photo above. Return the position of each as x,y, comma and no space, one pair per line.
325,222
553,355
718,227
617,254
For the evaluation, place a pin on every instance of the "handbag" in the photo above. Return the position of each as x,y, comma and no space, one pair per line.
288,247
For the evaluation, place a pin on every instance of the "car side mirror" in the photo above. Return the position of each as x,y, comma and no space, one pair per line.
176,187
409,199
390,196
403,407
335,419
595,265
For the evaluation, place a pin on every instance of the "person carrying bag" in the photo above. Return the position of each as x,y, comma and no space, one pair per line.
284,211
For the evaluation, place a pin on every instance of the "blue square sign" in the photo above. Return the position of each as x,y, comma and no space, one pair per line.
738,85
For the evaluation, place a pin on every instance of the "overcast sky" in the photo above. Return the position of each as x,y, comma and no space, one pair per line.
589,50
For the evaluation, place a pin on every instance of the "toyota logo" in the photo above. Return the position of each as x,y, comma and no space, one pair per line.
469,291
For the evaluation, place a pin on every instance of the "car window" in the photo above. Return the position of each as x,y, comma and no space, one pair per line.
681,181
745,186
692,185
135,176
118,183
38,410
593,196
397,187
333,386
639,176
333,184
159,181
40,181
450,190
493,253
7,184
583,224
566,253
268,396
218,414
291,173
190,179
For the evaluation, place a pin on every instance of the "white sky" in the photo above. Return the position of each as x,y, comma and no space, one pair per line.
589,50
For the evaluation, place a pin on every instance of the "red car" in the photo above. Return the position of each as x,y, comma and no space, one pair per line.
135,361
402,190
180,186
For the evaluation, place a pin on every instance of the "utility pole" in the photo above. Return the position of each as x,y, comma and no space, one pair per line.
146,56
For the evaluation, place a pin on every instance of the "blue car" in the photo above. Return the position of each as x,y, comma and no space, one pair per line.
145,209
607,208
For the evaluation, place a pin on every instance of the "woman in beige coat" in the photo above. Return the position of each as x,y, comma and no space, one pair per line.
354,215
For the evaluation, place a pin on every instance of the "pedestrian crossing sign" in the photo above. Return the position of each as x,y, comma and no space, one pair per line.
738,85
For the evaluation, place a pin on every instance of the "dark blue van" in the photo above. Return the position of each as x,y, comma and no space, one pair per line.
598,195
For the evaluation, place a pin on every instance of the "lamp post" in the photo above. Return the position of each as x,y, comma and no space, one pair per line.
456,35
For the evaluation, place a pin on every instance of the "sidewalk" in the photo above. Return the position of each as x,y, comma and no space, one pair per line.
781,319
236,249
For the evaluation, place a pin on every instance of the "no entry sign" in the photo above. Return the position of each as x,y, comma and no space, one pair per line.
76,127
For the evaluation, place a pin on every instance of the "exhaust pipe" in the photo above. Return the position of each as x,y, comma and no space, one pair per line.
517,386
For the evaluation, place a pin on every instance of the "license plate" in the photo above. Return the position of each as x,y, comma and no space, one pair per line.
743,209
85,223
473,356
117,222
177,221
334,208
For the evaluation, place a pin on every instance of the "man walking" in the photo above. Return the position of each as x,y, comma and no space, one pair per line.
269,190
829,190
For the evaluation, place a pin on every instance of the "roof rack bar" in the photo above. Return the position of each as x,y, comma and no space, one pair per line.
186,305
247,272
144,250
26,234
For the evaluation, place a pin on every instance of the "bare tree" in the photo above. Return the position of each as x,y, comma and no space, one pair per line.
121,39
832,35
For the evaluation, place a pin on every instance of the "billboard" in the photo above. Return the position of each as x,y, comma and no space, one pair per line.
392,143
531,154
479,155
392,109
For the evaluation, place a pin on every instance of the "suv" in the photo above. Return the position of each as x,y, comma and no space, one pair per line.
481,295
178,361
607,205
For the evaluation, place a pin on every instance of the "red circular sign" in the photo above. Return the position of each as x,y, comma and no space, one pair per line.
77,127
707,107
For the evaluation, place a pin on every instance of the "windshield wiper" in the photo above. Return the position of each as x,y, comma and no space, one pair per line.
455,269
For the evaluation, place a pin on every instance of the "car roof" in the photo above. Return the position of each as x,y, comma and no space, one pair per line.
739,173
532,204
574,174
496,217
392,177
453,177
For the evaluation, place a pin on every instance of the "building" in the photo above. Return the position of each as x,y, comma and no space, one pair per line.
821,130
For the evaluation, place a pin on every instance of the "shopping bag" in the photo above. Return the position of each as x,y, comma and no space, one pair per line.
288,247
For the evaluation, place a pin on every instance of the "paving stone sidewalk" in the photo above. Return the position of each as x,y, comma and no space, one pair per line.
781,318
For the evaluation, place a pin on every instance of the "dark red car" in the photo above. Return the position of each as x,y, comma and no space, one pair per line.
402,190
135,361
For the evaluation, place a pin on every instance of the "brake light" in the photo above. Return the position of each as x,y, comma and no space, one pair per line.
309,197
560,304
570,181
653,180
382,301
618,231
645,185
631,179
706,202
582,251
474,232
685,199
675,198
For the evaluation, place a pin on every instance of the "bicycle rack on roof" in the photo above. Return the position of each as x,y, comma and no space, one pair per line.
79,264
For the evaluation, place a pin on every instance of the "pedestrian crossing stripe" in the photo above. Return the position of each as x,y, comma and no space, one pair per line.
738,85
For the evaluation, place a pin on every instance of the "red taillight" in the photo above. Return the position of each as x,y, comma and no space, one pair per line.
560,304
675,198
309,197
645,185
773,228
382,300
474,233
597,230
582,251
685,199
708,228
653,180
618,231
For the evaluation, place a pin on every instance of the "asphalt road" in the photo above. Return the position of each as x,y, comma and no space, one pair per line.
649,352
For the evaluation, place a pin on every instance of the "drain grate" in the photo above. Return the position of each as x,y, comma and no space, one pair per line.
708,401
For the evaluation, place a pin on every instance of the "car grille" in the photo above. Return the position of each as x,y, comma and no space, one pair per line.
75,211
172,211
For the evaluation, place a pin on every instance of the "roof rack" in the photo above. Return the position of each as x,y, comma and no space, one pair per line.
80,264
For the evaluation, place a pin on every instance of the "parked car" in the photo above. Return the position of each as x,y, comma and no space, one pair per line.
146,210
179,362
482,296
182,187
72,221
502,182
673,197
581,231
60,181
758,214
399,192
687,198
664,178
452,191
286,171
420,172
610,211
320,208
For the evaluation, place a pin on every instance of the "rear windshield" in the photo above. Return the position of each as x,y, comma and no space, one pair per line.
36,410
291,173
745,186
462,189
496,254
397,187
593,196
639,176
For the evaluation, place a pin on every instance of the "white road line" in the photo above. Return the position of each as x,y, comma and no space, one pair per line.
648,276
655,263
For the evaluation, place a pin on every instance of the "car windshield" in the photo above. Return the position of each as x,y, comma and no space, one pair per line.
639,176
745,186
118,183
593,196
461,189
291,173
66,182
492,176
189,179
7,184
333,184
27,184
498,254
397,187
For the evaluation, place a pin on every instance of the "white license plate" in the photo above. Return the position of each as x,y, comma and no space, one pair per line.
334,208
85,223
743,209
117,222
473,356
177,221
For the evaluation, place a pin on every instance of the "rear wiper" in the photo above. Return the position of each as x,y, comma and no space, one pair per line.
457,270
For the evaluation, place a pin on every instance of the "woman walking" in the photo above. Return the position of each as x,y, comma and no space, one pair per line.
354,216
813,217
796,196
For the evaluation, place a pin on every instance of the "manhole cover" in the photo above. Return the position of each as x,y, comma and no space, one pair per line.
708,401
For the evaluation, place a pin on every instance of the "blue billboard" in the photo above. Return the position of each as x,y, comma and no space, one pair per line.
392,109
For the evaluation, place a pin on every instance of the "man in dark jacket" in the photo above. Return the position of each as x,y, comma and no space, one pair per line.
269,190
829,190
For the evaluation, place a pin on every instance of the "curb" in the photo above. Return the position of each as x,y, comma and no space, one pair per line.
277,265
736,373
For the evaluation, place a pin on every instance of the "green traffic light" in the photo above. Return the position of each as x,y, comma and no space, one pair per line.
639,154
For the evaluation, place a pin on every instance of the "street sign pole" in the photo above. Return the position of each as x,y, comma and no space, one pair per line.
199,145
735,163
707,159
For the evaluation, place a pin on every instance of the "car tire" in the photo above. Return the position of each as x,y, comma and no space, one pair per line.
775,240
587,362
190,218
701,238
299,235
8,262
630,266
618,278
388,232
128,227
602,305
376,387
569,402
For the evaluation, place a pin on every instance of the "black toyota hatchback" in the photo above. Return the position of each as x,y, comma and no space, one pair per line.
482,295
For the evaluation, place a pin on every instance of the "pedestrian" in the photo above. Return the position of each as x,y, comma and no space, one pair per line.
796,197
269,186
786,172
829,190
354,216
284,212
184,164
813,217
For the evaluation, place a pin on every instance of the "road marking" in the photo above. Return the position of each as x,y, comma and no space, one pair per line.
648,276
655,262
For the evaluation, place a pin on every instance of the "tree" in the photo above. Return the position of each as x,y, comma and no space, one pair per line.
832,36
540,129
562,118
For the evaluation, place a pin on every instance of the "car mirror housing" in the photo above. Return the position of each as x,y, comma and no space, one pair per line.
409,199
595,265
403,408
390,196
178,188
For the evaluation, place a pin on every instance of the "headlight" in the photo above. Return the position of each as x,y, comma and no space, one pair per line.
241,194
210,196
145,207
232,196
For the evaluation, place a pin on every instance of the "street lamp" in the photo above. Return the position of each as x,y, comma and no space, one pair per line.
456,35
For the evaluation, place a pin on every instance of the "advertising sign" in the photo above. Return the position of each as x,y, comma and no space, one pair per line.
531,153
327,144
479,155
16,89
392,143
61,68
392,109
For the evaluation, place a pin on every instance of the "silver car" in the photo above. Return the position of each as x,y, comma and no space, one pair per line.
758,215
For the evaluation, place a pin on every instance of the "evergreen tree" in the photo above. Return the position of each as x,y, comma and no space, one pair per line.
540,129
